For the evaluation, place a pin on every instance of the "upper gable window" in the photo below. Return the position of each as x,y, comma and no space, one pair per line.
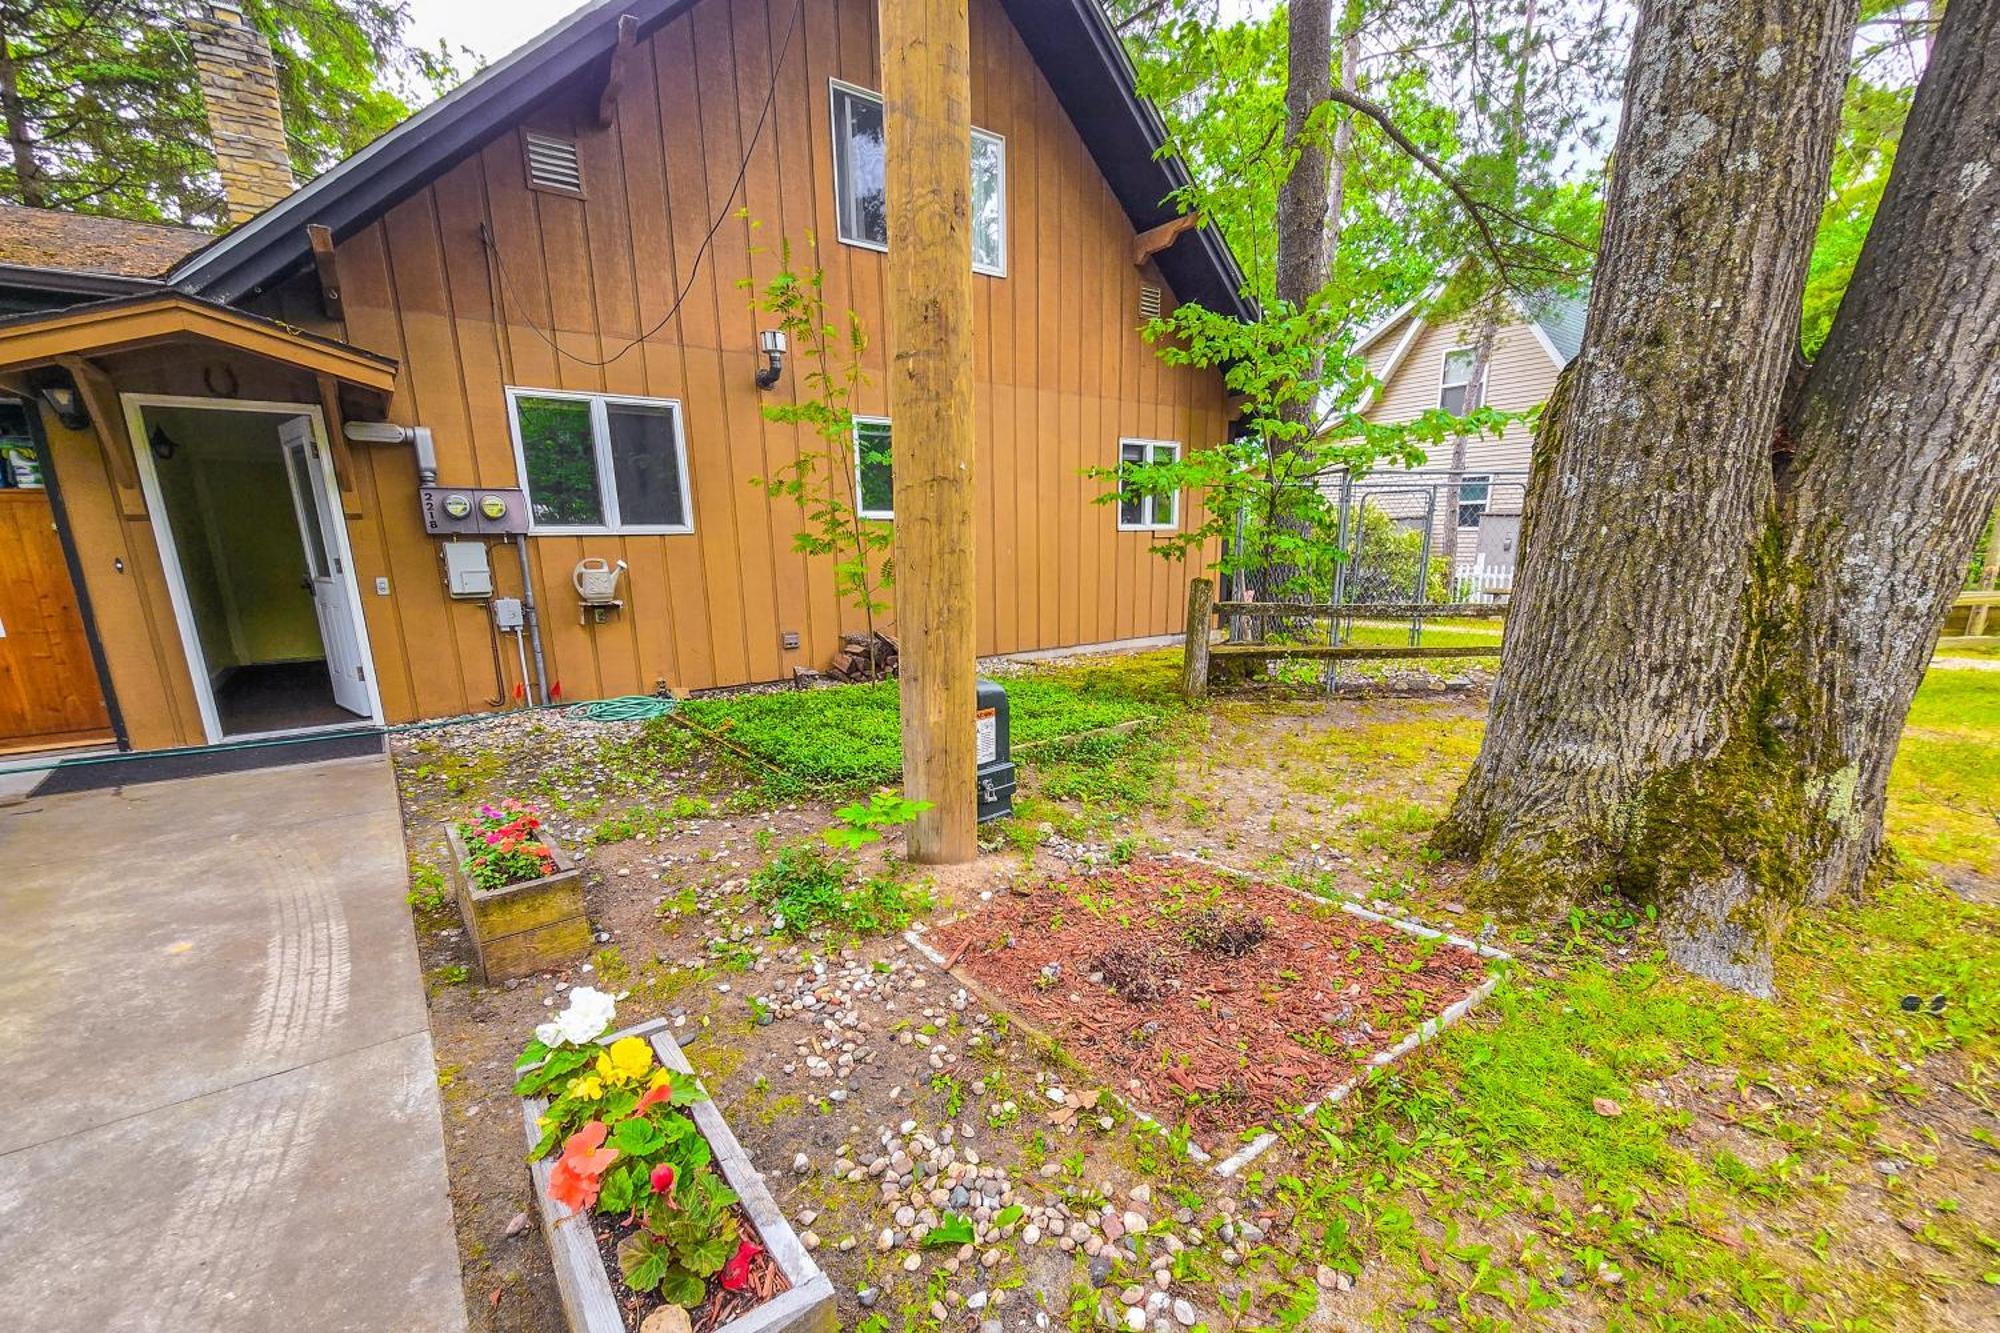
860,187
1457,394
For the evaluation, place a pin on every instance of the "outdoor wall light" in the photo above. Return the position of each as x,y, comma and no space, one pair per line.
771,342
64,400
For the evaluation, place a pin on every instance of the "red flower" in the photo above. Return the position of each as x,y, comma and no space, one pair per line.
654,1096
736,1273
663,1180
579,1173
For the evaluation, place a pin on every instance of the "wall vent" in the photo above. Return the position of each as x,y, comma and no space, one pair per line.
552,163
1149,301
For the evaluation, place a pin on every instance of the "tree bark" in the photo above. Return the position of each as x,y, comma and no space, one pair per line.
1896,455
28,175
1302,198
1625,671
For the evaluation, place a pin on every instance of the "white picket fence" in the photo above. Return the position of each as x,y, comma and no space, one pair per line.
1481,582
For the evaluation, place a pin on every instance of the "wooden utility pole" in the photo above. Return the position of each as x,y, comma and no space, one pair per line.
927,89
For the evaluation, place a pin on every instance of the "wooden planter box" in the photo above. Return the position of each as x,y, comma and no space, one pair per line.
586,1287
537,925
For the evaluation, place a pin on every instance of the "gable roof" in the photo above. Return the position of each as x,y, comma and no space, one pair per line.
164,315
1070,40
1556,319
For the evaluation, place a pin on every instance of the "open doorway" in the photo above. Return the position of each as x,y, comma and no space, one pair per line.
257,559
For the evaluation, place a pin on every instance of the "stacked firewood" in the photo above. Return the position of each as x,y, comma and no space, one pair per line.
863,657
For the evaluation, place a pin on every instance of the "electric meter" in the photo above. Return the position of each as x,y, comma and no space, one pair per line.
457,506
493,506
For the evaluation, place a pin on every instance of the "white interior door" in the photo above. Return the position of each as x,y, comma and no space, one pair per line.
323,567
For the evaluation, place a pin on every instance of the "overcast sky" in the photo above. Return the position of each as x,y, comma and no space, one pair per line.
489,28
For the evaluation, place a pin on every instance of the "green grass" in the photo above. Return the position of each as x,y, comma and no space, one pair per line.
1944,792
1483,1181
850,736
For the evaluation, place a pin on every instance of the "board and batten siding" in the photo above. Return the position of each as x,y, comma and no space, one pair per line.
1061,372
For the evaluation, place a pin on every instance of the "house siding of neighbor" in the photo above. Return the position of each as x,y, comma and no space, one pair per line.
464,285
1407,353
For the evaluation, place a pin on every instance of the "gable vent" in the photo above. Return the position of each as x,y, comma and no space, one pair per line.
1149,301
552,163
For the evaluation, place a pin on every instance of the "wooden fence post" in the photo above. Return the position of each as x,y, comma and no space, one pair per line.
927,96
1194,664
1989,575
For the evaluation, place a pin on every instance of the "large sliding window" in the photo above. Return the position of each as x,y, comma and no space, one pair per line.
859,186
594,462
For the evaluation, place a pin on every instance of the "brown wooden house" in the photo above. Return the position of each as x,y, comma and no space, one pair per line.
272,464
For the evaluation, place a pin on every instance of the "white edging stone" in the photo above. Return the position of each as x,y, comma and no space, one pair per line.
1426,1031
589,1304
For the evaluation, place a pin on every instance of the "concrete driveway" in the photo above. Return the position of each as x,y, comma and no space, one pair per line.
218,1109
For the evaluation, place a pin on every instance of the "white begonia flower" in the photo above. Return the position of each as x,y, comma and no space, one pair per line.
587,1017
549,1033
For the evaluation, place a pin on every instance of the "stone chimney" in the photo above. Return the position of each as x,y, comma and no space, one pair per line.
239,85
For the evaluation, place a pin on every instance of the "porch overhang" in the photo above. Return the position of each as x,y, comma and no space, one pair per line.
125,323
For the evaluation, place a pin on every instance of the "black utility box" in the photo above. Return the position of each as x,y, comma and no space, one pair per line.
995,753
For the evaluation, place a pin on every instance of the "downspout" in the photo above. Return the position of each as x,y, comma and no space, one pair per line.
533,618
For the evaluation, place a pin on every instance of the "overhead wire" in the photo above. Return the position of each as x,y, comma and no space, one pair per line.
777,63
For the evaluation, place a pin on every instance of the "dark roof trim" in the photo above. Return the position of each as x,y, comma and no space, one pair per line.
1071,40
70,281
1093,78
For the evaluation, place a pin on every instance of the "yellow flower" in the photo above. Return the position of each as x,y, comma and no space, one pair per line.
660,1078
629,1058
588,1088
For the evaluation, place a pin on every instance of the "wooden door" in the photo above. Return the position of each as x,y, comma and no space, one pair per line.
49,694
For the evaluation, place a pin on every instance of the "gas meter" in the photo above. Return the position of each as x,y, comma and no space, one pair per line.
994,751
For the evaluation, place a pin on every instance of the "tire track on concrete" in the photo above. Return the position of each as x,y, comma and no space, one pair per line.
213,1242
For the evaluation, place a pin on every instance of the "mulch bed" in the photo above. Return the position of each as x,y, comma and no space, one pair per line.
1204,996
766,1279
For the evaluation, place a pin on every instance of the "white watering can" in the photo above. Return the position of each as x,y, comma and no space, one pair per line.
597,581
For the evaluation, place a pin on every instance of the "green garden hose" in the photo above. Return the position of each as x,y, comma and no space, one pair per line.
625,708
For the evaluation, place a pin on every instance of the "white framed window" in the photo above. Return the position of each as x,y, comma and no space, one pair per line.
1474,490
859,187
1456,392
1145,511
989,204
874,473
597,463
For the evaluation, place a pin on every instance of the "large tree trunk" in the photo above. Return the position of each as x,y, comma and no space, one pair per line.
20,135
1754,780
1896,440
1302,242
1626,664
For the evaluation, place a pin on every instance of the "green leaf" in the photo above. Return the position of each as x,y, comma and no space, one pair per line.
533,1054
680,1287
558,1064
1008,1216
955,1229
637,1137
616,1194
708,1253
643,1261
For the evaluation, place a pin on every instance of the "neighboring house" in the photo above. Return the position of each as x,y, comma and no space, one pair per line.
536,282
1424,364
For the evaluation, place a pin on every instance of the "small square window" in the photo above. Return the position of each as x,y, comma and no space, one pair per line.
592,462
874,473
1473,494
1457,394
1146,510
